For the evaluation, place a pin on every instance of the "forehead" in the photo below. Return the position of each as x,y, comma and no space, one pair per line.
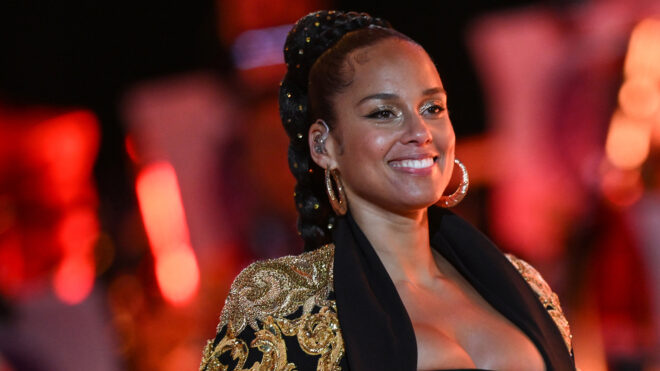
392,65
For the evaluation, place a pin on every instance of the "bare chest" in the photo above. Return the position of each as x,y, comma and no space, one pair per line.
456,328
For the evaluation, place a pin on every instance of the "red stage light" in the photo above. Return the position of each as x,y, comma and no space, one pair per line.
63,149
160,202
178,274
12,265
639,98
628,141
130,149
74,279
48,208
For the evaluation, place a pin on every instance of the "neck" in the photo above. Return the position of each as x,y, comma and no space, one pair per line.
401,242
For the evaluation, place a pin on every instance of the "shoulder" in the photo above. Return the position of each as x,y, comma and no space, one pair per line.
548,298
279,315
278,287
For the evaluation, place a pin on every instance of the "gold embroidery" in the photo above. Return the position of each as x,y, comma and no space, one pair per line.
278,288
317,334
237,347
547,297
269,341
262,296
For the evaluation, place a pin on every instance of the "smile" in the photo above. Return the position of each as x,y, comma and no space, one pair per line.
414,164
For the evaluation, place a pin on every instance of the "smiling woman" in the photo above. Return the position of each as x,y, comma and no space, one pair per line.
389,281
393,142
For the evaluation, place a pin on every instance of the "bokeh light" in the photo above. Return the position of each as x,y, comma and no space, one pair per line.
628,141
163,215
74,279
178,274
639,98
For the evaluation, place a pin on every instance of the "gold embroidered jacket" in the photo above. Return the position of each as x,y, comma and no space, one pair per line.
290,297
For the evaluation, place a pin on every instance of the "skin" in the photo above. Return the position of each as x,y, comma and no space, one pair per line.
395,110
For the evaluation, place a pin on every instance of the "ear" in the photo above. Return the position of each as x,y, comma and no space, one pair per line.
321,145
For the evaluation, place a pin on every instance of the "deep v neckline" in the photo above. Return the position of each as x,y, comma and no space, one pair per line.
378,333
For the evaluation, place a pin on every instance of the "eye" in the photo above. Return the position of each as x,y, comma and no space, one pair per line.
434,109
383,114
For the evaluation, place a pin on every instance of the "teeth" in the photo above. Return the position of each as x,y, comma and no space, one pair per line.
415,164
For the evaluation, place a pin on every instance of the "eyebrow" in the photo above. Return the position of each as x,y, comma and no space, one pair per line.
432,91
382,96
386,96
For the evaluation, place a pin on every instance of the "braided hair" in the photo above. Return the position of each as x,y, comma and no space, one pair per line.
315,51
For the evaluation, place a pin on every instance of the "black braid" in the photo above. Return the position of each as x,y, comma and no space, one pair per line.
312,36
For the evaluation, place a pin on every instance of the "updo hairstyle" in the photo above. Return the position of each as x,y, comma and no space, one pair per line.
315,55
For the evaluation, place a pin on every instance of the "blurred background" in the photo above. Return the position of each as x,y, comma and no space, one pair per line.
143,164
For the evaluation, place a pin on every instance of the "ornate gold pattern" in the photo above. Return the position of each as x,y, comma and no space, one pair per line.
237,347
263,295
547,297
318,334
278,287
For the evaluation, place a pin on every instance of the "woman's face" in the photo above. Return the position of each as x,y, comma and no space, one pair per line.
393,142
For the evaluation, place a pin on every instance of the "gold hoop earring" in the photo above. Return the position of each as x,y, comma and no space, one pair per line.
338,201
456,197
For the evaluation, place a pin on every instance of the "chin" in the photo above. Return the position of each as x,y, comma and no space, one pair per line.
416,204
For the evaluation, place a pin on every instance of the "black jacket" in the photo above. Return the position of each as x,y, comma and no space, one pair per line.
337,306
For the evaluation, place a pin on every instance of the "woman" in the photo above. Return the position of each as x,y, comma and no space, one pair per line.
389,282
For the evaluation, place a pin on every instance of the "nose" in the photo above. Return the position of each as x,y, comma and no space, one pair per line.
418,131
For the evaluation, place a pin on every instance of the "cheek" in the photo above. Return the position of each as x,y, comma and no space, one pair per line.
363,157
367,147
377,145
444,133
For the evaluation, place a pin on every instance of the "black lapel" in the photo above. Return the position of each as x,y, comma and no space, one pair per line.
378,334
377,330
499,282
